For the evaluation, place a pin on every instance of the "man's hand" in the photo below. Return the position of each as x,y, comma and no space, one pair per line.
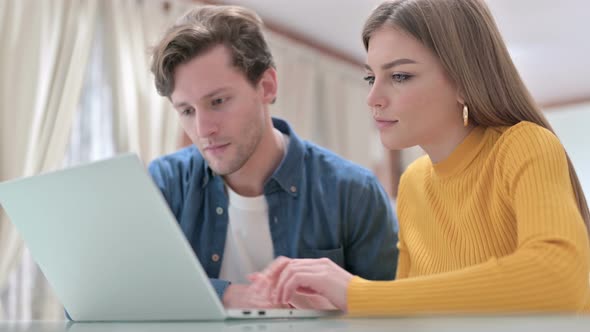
246,297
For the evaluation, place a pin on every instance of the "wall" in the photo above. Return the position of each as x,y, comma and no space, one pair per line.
571,124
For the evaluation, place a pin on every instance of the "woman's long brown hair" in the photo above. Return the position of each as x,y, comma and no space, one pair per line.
465,38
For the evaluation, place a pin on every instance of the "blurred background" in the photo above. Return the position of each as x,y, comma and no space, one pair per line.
75,87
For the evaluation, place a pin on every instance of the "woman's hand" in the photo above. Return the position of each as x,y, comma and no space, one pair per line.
290,277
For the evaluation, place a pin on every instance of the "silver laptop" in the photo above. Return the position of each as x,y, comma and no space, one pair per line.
112,250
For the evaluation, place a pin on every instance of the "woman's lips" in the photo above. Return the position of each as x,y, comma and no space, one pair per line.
382,124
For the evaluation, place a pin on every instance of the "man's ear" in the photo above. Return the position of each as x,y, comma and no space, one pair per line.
269,85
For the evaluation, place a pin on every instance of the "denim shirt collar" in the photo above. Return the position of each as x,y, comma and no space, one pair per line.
288,176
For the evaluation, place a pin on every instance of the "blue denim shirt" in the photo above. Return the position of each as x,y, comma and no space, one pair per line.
320,205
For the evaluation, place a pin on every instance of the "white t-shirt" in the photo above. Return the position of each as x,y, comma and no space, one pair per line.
248,243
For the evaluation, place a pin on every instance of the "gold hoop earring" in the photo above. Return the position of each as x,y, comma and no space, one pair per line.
465,115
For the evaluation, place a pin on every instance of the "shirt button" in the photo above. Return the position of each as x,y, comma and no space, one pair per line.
215,258
219,210
276,220
293,189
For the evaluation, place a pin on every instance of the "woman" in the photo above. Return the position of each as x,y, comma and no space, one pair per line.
493,219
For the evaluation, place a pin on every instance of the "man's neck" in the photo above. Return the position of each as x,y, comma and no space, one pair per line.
249,180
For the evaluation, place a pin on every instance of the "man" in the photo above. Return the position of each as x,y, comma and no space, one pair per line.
249,189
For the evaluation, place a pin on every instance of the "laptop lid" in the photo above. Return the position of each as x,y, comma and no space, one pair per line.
108,244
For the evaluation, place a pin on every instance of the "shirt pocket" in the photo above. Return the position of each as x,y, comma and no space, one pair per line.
336,255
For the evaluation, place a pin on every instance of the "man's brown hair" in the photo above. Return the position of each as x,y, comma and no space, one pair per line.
203,28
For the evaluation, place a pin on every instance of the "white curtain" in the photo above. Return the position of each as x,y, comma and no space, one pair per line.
324,99
145,123
45,50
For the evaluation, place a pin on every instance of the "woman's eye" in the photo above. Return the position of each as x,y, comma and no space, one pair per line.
370,79
400,77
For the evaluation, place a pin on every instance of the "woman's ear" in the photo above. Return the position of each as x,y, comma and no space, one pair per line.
460,97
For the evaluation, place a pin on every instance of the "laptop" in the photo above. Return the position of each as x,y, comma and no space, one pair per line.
230,325
112,250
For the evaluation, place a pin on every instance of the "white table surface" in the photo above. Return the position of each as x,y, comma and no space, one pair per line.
415,324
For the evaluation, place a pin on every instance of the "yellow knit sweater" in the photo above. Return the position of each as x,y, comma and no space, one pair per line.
493,228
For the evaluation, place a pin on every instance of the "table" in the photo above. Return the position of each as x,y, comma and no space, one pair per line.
415,324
